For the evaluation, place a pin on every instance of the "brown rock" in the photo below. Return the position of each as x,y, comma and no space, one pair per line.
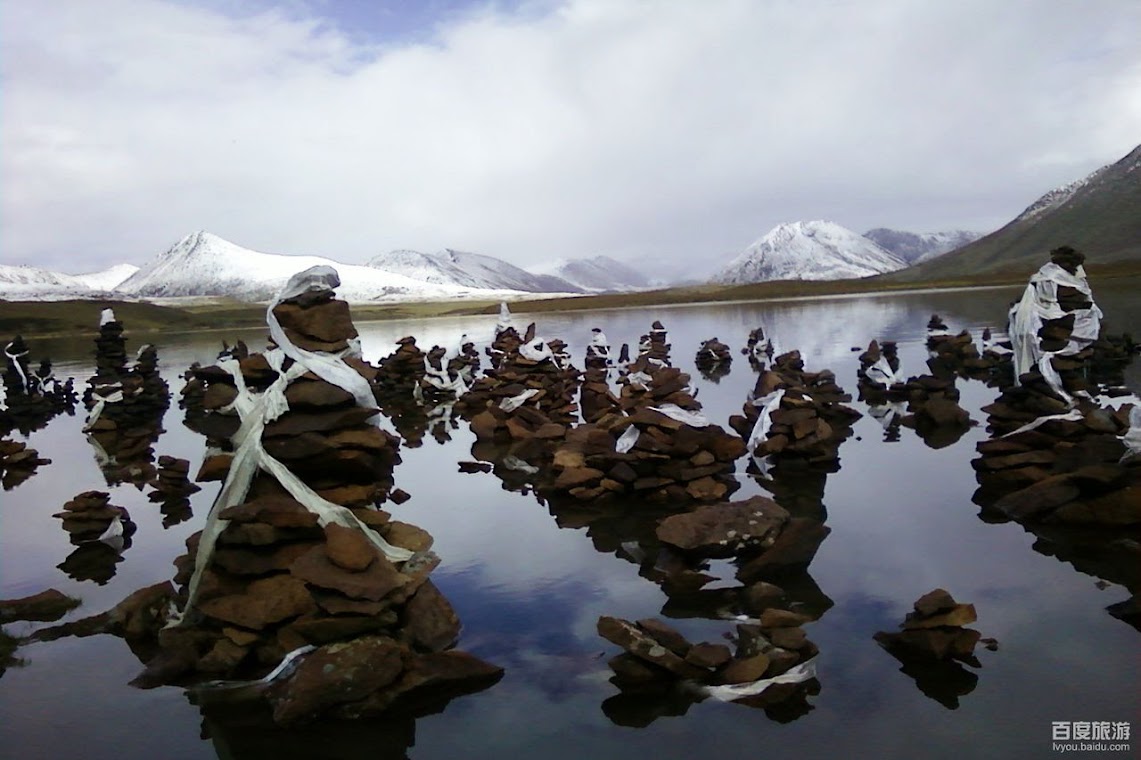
328,322
577,476
430,623
665,635
934,602
380,579
642,645
777,618
721,530
259,561
349,548
788,638
1036,500
705,655
214,467
45,606
407,536
794,548
265,601
336,674
959,615
747,670
316,394
278,511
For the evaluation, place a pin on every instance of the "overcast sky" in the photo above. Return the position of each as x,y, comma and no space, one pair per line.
537,130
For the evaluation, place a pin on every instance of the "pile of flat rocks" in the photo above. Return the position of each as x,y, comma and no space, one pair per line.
654,346
126,406
529,394
1073,469
90,515
811,420
172,489
953,353
933,647
399,373
31,398
713,359
18,462
656,657
598,351
935,629
758,348
656,446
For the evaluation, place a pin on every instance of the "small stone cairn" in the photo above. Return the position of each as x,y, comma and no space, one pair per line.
651,441
173,489
714,359
807,415
18,462
30,398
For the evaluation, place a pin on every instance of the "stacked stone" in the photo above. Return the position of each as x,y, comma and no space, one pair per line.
598,351
91,514
597,399
539,394
811,420
651,384
667,461
124,429
713,359
656,657
18,462
280,575
935,629
933,409
465,364
172,489
758,347
653,345
400,372
1074,469
30,399
507,341
954,355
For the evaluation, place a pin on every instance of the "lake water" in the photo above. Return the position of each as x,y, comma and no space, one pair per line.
530,587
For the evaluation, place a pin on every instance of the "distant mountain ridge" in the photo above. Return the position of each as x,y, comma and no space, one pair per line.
817,250
1099,214
471,270
917,247
20,281
597,274
203,264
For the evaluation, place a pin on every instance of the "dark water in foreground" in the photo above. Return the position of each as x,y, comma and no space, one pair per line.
529,591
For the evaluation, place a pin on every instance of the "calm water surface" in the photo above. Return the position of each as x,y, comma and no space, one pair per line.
529,587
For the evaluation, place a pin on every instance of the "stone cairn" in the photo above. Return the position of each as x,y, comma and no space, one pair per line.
714,359
926,403
650,442
30,398
173,489
295,561
417,390
955,355
796,415
932,644
771,667
598,351
528,393
101,532
126,406
758,348
18,462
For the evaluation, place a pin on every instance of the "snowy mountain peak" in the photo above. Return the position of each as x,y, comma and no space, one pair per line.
816,250
472,270
1059,195
917,247
595,274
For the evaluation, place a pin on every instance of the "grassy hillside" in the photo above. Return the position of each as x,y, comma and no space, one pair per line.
1102,220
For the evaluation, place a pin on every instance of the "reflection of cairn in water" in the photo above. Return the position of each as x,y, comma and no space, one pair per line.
172,489
772,666
101,530
878,385
396,387
598,351
714,359
932,644
796,415
296,573
29,399
18,462
126,406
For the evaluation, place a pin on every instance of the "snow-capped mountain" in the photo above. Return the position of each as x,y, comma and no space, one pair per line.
816,250
1059,195
202,264
24,282
596,274
915,247
469,270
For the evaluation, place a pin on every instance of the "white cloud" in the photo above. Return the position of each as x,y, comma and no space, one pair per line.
634,128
